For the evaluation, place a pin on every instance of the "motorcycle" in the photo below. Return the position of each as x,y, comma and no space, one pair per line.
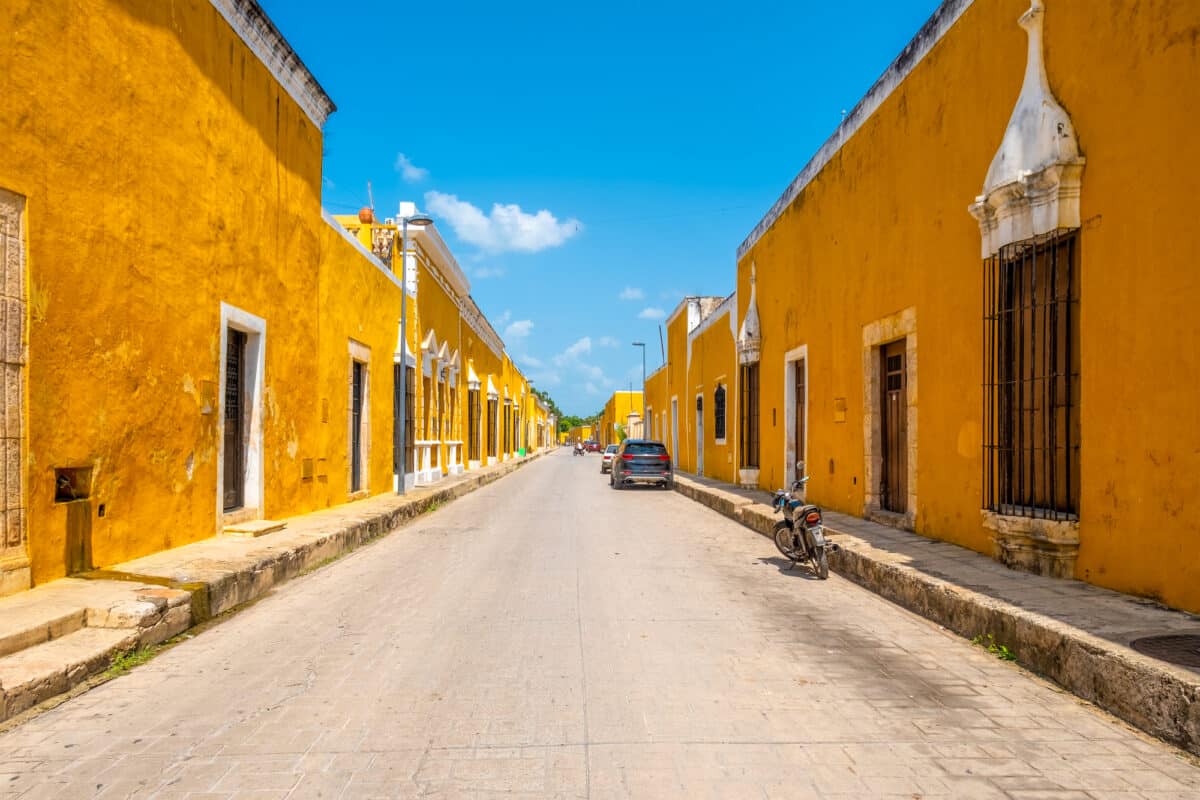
800,535
579,451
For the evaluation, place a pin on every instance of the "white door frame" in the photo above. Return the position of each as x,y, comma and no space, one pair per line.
254,365
790,456
675,431
699,433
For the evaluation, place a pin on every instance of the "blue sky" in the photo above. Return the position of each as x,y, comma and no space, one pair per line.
589,164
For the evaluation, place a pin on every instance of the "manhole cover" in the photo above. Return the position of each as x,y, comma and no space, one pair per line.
1179,648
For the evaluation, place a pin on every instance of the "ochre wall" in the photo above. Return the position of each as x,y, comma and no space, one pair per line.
884,227
677,388
616,412
359,302
656,403
167,154
714,362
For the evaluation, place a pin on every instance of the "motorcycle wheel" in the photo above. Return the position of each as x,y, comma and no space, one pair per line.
820,564
784,541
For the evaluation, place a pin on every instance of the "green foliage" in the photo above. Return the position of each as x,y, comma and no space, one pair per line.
622,435
1000,651
126,661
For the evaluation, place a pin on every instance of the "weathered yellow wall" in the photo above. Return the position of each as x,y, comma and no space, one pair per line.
348,285
616,412
197,182
656,403
713,362
438,312
677,388
884,227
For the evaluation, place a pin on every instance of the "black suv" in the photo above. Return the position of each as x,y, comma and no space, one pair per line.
641,461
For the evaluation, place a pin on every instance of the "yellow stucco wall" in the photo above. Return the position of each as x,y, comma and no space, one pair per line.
616,412
656,402
122,343
677,434
713,363
579,433
883,227
197,185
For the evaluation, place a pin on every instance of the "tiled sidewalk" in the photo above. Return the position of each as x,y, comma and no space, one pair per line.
1072,632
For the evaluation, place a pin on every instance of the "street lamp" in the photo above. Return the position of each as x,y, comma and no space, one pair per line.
418,220
643,346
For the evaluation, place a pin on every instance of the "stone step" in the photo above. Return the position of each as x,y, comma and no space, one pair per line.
61,608
38,625
42,671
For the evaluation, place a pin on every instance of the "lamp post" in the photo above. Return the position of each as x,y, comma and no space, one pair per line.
399,421
643,346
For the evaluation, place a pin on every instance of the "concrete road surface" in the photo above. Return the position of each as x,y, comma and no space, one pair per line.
550,637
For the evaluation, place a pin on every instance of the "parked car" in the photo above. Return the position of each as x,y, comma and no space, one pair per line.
607,458
592,446
641,461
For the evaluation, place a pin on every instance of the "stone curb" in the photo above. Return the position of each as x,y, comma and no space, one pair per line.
1159,698
207,590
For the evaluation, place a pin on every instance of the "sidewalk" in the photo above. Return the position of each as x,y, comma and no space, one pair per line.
58,635
1073,633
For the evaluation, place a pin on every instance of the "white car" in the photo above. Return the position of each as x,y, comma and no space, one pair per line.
606,458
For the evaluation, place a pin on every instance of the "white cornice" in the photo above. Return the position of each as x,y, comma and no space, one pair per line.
912,54
444,260
255,28
357,245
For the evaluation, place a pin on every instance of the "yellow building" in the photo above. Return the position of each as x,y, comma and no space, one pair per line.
218,349
1035,235
656,402
579,433
461,414
622,413
710,399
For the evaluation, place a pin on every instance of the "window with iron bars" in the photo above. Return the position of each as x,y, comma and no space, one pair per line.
719,412
1031,378
749,410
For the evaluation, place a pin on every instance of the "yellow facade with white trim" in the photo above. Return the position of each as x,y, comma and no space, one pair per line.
192,196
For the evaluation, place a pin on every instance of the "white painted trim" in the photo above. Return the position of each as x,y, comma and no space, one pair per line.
255,329
256,30
675,430
357,245
789,413
913,53
357,351
699,412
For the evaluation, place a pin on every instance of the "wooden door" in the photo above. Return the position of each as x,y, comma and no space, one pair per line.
893,484
356,407
235,412
800,411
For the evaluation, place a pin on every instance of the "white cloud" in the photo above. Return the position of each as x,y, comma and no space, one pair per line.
590,388
530,361
410,171
507,227
607,341
632,293
572,353
651,313
519,329
483,273
502,319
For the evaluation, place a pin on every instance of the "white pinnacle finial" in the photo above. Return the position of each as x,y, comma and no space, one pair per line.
1032,185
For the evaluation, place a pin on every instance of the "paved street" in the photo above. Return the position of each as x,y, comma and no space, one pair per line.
548,637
